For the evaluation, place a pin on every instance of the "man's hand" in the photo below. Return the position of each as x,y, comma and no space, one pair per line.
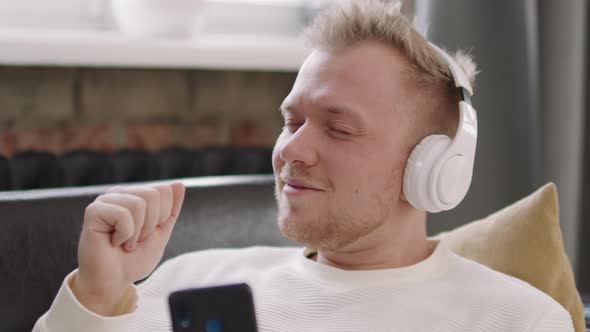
123,238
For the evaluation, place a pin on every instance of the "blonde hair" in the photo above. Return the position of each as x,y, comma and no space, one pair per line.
352,22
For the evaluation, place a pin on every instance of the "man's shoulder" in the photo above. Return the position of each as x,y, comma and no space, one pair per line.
481,281
503,299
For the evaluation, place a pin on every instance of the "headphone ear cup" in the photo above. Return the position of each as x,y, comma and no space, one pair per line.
419,169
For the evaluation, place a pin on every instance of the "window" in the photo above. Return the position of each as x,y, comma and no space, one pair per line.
285,17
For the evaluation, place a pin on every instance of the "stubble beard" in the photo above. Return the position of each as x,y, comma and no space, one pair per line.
332,228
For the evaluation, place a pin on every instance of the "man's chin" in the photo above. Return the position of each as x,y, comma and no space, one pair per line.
294,229
309,235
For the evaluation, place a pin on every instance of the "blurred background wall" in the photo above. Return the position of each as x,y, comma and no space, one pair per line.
60,109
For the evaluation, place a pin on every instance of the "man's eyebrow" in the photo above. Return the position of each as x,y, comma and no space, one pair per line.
342,110
337,110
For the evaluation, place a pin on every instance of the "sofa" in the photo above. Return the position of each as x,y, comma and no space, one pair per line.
40,231
42,169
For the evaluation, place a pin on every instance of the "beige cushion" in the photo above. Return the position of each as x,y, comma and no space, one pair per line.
524,240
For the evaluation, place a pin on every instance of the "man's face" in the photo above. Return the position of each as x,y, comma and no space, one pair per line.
339,160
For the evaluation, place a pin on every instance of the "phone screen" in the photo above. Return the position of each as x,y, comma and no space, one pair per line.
227,308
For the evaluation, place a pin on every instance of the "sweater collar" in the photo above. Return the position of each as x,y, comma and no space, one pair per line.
432,266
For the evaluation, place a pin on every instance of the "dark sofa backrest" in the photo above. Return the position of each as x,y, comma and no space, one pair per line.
39,231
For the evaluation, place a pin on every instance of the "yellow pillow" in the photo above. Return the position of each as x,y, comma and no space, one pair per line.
524,240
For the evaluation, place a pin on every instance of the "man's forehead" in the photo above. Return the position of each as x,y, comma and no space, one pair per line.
365,74
364,59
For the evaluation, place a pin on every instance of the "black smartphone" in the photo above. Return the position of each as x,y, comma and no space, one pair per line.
226,308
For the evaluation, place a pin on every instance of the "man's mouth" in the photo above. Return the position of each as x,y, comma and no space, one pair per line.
293,185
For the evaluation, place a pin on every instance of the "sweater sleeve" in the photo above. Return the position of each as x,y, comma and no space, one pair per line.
556,320
67,314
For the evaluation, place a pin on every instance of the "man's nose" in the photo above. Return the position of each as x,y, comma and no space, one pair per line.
300,146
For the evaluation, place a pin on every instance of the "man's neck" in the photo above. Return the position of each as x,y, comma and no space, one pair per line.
397,243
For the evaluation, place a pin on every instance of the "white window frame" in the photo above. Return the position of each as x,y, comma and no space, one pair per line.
273,17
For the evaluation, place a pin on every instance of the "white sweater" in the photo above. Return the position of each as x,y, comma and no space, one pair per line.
292,293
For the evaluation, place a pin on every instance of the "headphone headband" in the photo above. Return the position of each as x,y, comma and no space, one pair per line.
461,80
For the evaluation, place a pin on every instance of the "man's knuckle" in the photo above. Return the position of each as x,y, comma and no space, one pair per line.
139,205
90,210
121,213
152,193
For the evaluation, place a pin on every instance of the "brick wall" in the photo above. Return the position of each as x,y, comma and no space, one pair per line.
60,109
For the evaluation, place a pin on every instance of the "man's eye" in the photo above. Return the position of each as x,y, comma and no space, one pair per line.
292,127
339,132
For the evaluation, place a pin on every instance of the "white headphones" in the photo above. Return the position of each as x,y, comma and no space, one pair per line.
439,170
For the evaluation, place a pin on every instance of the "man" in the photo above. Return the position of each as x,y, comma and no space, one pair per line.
370,91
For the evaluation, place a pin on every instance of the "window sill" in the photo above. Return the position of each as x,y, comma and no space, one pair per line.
31,47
